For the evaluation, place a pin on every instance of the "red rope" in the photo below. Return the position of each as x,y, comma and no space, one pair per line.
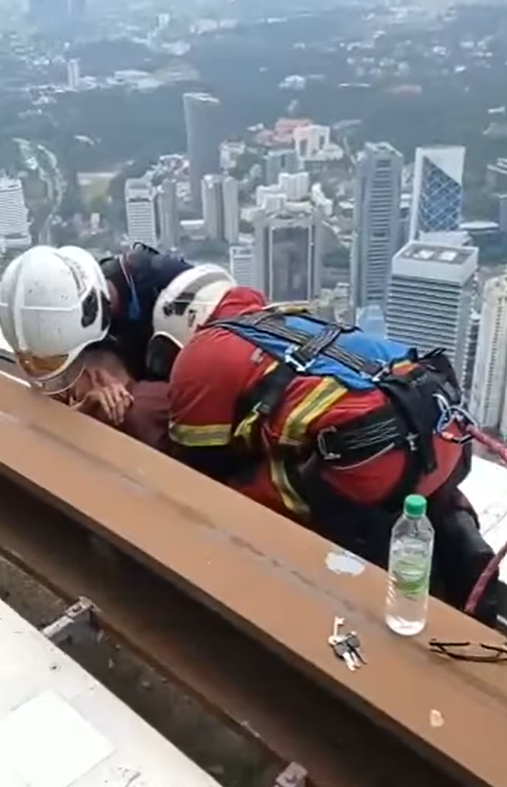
500,449
493,445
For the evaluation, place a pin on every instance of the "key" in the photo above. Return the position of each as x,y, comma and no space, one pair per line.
341,649
338,624
354,646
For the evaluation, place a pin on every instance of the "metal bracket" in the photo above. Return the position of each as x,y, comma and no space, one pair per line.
76,624
293,776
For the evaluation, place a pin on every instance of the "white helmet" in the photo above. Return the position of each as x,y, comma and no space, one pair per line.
53,304
188,301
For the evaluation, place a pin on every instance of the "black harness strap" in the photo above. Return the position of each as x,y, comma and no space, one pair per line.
407,422
377,431
266,395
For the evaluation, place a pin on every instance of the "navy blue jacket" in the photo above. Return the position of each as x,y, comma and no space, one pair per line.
139,278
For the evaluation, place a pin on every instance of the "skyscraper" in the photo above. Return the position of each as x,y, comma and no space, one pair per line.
438,190
376,223
230,195
14,229
203,123
168,215
278,161
220,205
73,74
140,208
430,298
488,395
288,251
213,207
242,265
473,343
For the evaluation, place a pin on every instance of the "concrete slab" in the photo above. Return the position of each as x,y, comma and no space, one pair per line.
61,727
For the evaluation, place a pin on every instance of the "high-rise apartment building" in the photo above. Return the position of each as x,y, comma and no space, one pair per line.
430,298
169,214
278,161
437,190
488,401
14,228
311,140
502,212
213,206
73,74
242,265
376,223
140,201
270,198
220,204
473,343
230,195
203,123
296,186
288,251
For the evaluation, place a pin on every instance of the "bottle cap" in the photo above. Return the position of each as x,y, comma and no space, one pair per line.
415,506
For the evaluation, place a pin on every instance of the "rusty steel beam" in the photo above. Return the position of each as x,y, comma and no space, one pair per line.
225,670
277,582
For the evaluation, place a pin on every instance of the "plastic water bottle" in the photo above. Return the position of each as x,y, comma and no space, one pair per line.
410,558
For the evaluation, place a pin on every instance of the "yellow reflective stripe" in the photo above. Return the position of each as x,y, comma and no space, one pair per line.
244,428
324,396
291,500
210,436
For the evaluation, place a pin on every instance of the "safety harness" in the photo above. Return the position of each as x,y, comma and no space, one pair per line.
306,345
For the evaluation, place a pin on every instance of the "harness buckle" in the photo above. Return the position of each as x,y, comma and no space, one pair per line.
452,414
292,361
383,372
327,456
412,439
262,408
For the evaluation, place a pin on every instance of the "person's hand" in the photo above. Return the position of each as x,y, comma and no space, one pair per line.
108,398
110,403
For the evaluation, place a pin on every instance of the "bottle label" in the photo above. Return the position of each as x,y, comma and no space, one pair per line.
411,576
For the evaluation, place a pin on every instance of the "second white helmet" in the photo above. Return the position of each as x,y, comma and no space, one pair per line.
53,304
189,300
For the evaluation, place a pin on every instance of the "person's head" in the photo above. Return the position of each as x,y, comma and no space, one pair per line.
53,304
189,300
181,308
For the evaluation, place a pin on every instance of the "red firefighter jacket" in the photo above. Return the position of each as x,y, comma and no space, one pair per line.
217,367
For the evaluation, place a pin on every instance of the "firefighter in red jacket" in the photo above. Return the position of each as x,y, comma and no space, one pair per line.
317,421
